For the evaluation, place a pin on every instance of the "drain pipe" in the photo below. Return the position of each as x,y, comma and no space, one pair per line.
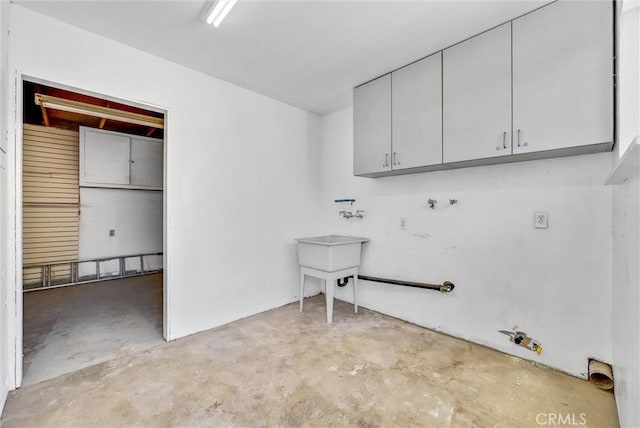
600,374
445,287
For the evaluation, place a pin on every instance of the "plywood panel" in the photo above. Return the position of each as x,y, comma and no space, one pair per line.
45,173
42,179
49,131
36,199
50,200
60,157
44,165
54,164
47,213
45,185
51,152
56,144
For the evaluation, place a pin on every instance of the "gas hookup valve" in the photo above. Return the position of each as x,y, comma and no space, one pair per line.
520,338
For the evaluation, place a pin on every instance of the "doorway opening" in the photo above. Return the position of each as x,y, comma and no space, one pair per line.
92,229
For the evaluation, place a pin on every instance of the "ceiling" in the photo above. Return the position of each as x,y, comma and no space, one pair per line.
309,54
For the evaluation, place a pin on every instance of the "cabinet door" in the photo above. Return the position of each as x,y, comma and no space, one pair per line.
105,159
146,163
477,97
562,76
417,114
372,126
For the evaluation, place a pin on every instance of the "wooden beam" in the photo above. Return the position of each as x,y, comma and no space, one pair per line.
104,119
150,131
45,116
98,111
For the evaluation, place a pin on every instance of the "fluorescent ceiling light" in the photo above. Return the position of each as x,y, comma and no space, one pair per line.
219,11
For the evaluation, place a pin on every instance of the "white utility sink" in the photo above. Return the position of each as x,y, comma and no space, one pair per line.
330,253
330,258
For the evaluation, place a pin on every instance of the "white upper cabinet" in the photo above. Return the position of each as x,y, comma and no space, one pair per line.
562,76
117,160
417,114
477,97
539,86
104,158
372,126
146,163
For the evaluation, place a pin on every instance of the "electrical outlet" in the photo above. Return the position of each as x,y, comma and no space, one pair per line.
541,220
403,224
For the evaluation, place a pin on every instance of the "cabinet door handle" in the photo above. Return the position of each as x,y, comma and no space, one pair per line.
504,140
386,160
519,138
395,158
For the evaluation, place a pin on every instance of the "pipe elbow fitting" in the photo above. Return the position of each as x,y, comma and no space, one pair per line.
447,287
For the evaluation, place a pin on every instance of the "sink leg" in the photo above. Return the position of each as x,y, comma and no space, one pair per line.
301,288
355,292
330,285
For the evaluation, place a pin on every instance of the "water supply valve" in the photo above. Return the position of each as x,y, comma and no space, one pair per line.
520,338
447,287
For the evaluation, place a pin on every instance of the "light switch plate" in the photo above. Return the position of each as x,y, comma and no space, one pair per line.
541,220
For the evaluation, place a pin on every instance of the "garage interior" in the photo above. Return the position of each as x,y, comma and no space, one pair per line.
92,237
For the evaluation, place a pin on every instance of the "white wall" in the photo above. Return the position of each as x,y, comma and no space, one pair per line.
628,74
135,215
554,283
242,175
4,334
626,226
5,366
626,300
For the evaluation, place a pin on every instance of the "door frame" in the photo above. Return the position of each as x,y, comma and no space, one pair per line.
15,222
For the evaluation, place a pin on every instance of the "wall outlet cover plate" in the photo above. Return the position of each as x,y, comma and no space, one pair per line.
541,220
403,224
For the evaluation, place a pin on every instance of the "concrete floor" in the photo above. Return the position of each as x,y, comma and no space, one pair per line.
283,368
69,328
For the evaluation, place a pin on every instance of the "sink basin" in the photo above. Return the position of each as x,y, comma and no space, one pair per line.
330,253
332,240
